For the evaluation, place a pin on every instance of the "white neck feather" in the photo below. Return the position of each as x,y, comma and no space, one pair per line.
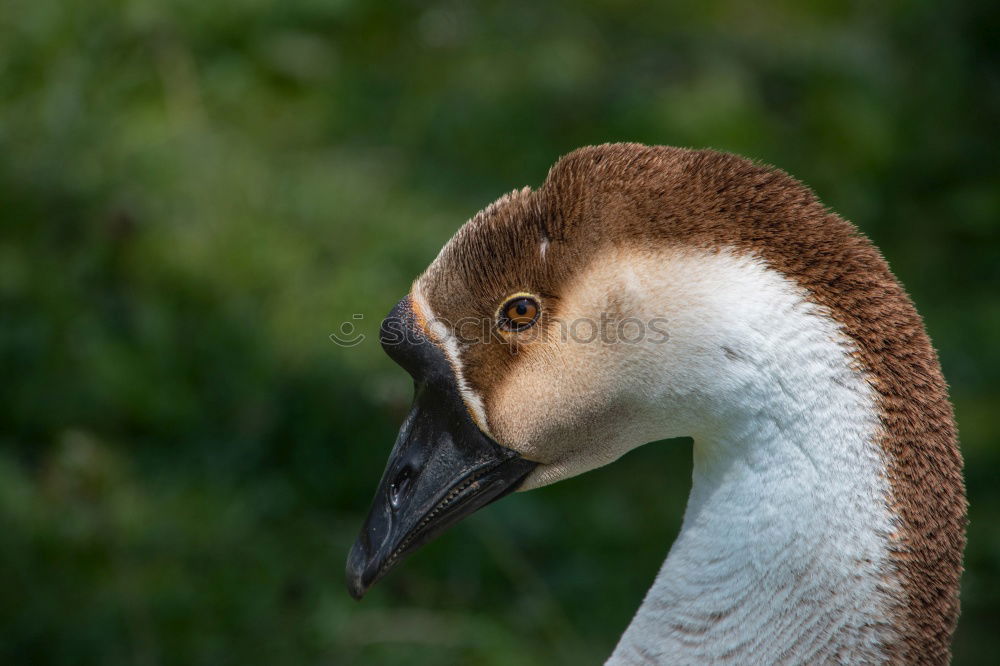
782,556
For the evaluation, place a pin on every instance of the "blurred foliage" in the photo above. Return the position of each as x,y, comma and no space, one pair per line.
194,195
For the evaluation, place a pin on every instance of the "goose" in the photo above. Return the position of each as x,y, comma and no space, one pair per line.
649,292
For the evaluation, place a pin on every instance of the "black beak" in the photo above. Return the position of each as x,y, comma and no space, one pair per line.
442,468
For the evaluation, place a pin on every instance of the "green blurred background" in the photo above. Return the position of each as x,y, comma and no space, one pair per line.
194,195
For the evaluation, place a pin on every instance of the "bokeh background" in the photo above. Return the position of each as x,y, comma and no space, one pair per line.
194,195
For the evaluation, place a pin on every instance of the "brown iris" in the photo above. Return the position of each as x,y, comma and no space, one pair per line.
518,313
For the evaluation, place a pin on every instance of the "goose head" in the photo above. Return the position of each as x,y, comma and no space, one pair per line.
644,293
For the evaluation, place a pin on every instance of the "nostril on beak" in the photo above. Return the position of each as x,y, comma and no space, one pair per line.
399,486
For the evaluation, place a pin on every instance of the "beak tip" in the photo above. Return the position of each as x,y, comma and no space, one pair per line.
355,589
357,586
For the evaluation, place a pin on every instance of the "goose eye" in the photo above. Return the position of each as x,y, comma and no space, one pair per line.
519,313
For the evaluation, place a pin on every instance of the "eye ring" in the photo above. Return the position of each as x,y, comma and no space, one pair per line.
518,313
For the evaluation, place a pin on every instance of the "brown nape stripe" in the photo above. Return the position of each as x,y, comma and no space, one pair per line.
639,196
712,200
